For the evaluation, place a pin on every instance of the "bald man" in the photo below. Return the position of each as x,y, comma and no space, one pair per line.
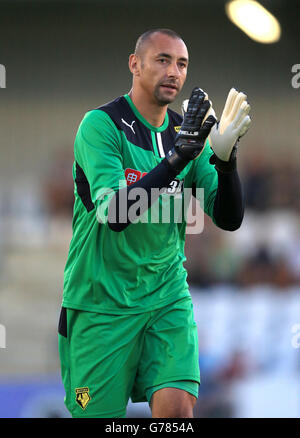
127,327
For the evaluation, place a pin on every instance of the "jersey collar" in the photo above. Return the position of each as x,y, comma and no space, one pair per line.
143,120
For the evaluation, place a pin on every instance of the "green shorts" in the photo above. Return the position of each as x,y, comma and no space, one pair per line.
107,359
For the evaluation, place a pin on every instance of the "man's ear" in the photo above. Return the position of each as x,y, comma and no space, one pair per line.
134,64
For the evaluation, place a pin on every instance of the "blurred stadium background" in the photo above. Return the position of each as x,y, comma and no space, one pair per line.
63,58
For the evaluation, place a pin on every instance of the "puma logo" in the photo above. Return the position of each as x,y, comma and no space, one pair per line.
130,126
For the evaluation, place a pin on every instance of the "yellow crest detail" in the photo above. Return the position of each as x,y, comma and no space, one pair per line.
82,396
177,128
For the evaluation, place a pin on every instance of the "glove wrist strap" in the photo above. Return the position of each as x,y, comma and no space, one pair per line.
223,166
176,161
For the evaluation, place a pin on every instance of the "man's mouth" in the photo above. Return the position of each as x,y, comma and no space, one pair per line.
169,86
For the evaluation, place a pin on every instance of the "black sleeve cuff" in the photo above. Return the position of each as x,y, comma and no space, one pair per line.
223,166
229,202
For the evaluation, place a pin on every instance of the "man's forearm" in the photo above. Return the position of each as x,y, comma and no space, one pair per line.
229,201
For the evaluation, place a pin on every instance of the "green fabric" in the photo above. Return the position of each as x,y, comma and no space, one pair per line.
141,268
114,357
144,121
186,385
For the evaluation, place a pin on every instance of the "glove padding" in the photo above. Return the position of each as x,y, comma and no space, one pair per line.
191,138
193,133
234,123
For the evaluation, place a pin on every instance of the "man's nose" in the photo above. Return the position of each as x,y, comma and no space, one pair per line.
173,70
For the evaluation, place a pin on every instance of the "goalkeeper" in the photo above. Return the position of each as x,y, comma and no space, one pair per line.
126,327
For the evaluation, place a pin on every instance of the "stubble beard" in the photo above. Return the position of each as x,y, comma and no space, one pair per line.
160,98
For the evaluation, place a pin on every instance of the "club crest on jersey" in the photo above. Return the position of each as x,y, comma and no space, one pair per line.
82,396
177,128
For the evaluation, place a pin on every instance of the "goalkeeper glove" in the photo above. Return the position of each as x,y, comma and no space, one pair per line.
224,136
234,123
193,133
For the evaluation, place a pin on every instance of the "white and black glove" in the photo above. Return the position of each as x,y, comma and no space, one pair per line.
234,123
194,131
225,134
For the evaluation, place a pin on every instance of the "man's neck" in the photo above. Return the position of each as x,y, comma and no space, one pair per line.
153,113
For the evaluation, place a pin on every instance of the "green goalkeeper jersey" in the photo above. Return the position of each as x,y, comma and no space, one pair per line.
140,268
